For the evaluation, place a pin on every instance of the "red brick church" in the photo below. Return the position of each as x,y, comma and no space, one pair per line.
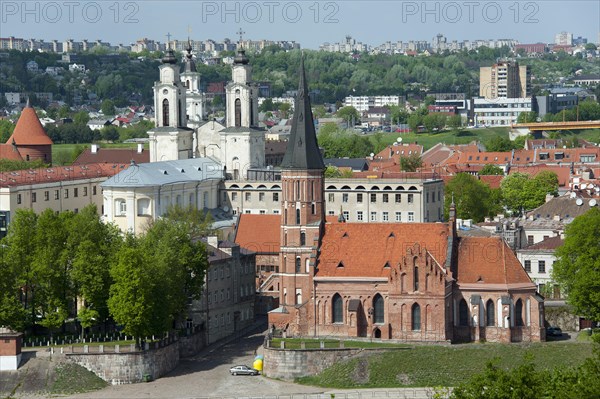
404,281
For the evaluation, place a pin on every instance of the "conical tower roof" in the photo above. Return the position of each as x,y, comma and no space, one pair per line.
302,151
29,130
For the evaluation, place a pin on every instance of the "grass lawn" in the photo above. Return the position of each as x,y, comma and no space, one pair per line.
294,343
73,378
443,365
465,136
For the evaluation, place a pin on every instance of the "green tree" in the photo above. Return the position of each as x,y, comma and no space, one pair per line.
398,115
349,114
521,192
108,107
81,118
491,169
284,109
110,133
132,303
499,144
411,163
455,122
527,117
267,105
332,172
577,269
414,121
195,221
473,198
319,111
6,129
64,111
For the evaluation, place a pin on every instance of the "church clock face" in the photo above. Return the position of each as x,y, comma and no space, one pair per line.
165,91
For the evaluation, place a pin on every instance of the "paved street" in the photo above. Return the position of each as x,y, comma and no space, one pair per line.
207,376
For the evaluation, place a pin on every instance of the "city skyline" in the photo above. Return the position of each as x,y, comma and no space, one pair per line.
309,23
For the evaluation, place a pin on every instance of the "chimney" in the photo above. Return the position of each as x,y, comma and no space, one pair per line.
140,148
95,148
213,241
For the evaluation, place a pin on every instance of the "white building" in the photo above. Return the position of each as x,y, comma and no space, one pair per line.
500,111
363,103
143,192
537,260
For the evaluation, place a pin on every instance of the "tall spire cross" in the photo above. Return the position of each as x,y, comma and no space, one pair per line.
241,33
168,40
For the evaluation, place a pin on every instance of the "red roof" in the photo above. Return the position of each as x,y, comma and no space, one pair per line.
8,151
364,248
112,155
29,130
59,173
259,233
489,260
548,243
562,172
492,180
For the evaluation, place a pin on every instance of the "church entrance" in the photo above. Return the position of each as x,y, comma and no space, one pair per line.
377,333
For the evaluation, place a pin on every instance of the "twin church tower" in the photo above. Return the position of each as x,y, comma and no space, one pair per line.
182,131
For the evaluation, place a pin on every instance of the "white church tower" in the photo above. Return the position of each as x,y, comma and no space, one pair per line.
242,142
171,139
195,99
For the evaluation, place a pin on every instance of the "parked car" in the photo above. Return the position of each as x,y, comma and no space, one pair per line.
553,332
243,370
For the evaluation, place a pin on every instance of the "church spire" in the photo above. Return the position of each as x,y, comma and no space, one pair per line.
302,151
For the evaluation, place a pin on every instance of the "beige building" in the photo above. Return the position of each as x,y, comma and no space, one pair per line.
359,200
505,79
63,188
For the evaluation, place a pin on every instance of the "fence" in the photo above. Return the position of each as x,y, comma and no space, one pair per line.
32,342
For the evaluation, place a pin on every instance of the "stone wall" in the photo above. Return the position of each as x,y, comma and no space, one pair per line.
560,315
290,364
191,344
132,367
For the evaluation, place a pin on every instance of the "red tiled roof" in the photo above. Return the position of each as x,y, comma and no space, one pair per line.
562,172
29,130
112,155
259,233
59,173
492,180
8,151
488,260
364,248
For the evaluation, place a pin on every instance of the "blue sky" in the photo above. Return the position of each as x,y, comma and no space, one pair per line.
309,22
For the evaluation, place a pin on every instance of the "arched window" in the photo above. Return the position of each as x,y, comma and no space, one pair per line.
298,265
416,317
463,313
297,216
490,314
378,316
416,278
302,238
337,307
165,112
298,298
313,208
238,113
519,313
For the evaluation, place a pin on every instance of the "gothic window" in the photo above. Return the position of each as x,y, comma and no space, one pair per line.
165,111
313,209
297,216
337,306
463,313
302,238
378,316
519,313
416,276
298,265
489,313
238,113
416,317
